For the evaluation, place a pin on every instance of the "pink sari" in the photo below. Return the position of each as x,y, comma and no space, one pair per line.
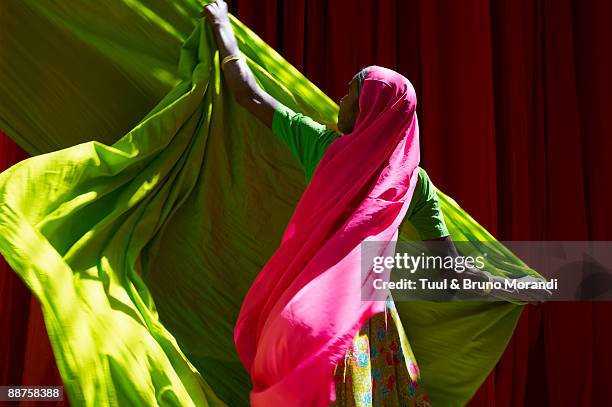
307,303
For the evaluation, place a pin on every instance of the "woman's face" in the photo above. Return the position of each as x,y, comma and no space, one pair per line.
349,108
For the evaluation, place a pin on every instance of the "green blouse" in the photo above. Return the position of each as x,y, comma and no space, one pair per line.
308,141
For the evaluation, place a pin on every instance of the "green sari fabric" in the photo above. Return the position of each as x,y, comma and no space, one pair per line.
153,200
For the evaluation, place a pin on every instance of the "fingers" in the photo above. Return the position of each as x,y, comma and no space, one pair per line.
205,12
530,296
217,5
215,10
209,9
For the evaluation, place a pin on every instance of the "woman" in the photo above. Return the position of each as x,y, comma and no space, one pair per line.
379,189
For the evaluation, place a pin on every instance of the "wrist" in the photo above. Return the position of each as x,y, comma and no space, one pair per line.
219,23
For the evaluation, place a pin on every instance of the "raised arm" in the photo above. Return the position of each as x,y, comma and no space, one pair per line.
238,75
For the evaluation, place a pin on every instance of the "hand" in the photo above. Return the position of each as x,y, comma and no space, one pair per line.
503,293
531,295
482,277
215,12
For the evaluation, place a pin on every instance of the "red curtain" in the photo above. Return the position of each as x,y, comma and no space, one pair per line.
514,98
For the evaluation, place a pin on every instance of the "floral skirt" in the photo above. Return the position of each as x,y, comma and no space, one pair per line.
379,368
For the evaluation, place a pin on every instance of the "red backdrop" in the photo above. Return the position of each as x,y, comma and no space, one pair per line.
513,97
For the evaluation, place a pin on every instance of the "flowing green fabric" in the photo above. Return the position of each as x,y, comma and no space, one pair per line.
140,237
457,344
